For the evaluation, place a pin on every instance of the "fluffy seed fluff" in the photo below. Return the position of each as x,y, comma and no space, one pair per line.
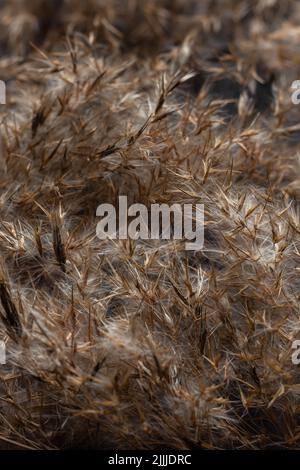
141,344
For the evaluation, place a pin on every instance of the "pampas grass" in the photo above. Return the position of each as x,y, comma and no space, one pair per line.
141,344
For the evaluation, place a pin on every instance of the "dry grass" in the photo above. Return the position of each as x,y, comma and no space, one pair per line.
133,344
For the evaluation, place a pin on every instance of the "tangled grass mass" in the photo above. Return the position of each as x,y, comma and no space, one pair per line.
140,344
